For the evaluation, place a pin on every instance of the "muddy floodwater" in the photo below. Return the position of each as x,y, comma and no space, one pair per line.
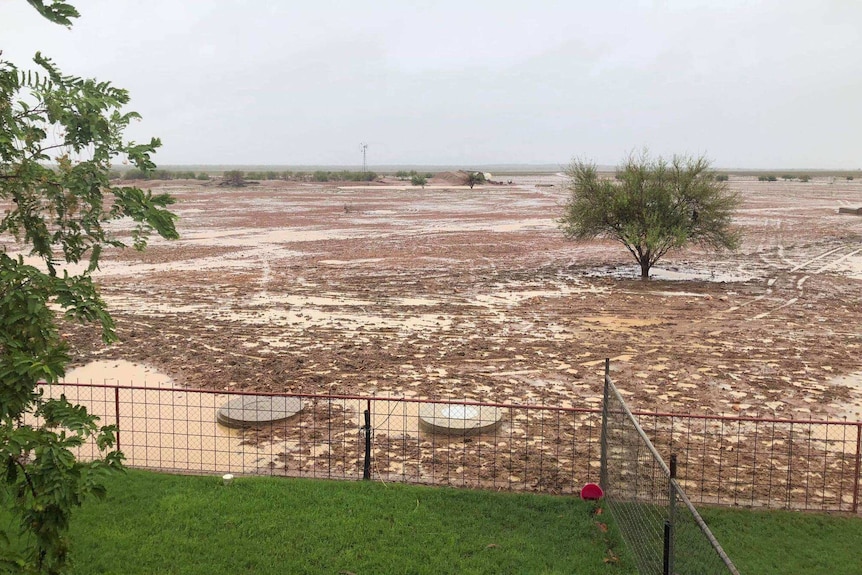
452,293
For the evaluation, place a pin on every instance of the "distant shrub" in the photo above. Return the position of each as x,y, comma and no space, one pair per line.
769,178
418,180
429,175
849,178
721,177
233,178
402,174
134,174
343,176
805,178
202,176
786,177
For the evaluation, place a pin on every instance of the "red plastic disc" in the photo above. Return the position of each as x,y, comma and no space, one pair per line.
591,491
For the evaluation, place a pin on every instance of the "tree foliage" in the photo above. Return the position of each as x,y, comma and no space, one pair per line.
474,178
58,137
651,206
233,179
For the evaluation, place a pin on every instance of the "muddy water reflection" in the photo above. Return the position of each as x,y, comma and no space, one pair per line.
161,426
166,427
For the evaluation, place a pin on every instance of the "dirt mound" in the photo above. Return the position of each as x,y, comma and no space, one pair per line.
458,177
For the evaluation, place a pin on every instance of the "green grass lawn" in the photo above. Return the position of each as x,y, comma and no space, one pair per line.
152,523
159,524
788,541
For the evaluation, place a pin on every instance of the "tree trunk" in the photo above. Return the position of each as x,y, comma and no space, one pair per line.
645,266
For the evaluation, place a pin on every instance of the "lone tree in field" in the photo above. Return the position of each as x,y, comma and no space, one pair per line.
233,179
651,207
58,137
474,178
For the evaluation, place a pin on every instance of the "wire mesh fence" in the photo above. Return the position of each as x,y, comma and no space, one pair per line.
754,462
535,448
658,522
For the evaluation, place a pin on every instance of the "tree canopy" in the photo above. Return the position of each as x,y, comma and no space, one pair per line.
651,206
58,137
474,178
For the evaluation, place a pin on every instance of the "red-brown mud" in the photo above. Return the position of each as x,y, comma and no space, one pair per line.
458,293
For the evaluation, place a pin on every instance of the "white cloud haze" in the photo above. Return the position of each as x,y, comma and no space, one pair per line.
750,84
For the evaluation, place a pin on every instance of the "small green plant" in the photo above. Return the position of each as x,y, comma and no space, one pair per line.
418,180
721,177
787,177
767,178
849,178
202,176
805,178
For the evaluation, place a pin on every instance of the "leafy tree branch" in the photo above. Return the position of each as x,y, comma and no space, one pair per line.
59,135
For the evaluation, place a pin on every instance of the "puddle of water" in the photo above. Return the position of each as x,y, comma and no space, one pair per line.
514,294
633,272
699,275
417,301
296,311
393,418
172,428
613,323
250,237
166,428
535,223
851,266
853,408
324,300
303,318
350,262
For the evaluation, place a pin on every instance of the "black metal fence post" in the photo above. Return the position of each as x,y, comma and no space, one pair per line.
366,468
667,559
117,413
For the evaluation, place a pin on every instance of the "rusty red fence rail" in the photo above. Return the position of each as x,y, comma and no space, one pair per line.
722,460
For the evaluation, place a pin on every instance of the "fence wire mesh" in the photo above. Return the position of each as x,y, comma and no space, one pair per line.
696,552
739,461
661,527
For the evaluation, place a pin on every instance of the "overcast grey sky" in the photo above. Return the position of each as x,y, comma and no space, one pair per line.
750,84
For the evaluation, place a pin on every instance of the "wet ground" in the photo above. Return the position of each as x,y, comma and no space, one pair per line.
458,293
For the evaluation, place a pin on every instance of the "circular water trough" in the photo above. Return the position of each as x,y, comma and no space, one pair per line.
250,410
455,419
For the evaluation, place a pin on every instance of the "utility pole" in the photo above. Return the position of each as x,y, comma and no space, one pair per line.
363,146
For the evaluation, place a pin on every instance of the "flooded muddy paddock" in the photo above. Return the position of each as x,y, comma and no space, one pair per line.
474,294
